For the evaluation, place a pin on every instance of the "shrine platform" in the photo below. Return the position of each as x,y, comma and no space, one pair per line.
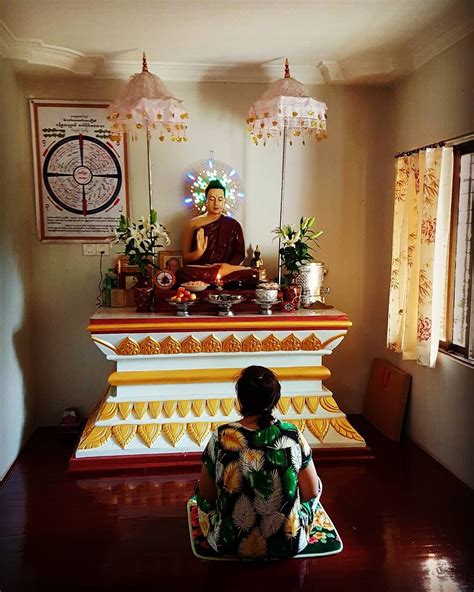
174,383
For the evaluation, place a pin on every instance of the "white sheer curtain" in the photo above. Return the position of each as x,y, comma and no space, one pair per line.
421,223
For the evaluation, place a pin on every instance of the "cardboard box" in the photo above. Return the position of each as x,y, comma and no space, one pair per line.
117,298
386,397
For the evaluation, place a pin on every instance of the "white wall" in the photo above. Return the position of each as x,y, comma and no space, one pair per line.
433,104
335,180
16,400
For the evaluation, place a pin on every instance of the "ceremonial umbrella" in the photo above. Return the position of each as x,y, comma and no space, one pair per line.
285,112
146,104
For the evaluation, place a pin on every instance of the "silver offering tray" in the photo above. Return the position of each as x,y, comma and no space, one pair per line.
314,297
265,308
225,302
181,307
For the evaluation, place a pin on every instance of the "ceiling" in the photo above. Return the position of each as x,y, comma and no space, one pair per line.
326,41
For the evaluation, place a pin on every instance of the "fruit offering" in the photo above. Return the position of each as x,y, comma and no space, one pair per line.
183,295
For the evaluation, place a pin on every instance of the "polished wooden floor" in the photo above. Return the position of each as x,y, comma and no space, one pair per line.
407,525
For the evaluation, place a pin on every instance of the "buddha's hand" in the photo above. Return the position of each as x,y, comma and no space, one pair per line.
201,241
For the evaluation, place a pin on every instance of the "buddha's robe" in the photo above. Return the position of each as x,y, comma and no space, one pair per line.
225,242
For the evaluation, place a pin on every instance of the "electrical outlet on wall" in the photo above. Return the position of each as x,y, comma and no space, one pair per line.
88,249
103,249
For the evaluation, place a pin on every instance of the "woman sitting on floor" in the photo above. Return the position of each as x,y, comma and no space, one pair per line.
258,488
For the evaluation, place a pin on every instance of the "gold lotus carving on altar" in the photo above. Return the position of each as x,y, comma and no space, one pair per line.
231,344
172,433
212,344
226,405
150,346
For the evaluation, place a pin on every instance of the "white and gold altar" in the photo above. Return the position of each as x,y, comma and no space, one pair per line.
174,382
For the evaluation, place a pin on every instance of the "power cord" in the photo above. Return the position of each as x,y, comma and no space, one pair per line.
99,301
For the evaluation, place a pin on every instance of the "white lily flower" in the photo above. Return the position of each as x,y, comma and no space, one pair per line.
136,235
145,222
292,237
142,238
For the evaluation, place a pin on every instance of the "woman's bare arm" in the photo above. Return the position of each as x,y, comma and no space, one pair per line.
207,487
308,482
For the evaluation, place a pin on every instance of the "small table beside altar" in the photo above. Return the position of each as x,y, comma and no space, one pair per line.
174,382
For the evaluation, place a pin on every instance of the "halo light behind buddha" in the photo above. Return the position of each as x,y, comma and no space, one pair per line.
201,174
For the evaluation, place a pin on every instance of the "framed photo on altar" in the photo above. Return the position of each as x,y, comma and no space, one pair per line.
80,171
127,273
170,260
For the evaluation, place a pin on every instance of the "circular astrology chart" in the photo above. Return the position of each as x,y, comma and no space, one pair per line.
82,175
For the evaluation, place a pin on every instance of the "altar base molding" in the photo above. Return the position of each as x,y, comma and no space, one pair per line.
174,383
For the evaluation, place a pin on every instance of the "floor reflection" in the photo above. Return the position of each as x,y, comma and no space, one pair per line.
439,574
161,492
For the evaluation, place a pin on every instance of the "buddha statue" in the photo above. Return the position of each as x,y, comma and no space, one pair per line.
213,245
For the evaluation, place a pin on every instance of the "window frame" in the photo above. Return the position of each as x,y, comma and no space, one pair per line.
459,352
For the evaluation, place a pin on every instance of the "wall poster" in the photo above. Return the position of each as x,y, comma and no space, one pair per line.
80,173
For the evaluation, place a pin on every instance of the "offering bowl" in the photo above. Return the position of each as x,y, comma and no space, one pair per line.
267,292
195,286
181,307
265,308
224,303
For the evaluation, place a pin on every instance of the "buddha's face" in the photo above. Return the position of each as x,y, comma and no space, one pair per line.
215,201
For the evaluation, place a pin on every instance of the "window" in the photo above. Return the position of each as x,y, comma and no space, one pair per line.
459,326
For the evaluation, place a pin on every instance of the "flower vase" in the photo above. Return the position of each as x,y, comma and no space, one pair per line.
291,294
143,293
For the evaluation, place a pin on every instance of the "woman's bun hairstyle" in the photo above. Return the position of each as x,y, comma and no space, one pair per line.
258,391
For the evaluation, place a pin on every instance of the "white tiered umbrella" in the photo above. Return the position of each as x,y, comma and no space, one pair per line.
146,104
285,112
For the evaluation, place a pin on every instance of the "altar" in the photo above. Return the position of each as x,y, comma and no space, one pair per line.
173,383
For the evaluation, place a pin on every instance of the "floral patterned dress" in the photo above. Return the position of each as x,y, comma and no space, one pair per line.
258,512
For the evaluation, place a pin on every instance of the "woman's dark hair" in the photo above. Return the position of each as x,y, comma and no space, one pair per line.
214,184
258,391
